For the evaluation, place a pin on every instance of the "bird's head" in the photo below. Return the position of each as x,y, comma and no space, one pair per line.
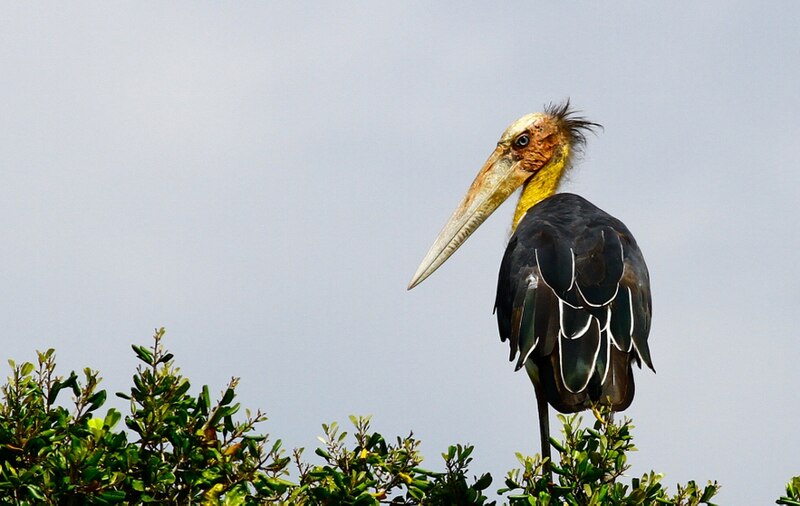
534,151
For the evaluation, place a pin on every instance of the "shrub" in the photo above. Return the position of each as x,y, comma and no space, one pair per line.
182,448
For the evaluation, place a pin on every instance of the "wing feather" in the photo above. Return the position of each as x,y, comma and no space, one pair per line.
574,322
621,326
527,335
578,357
573,300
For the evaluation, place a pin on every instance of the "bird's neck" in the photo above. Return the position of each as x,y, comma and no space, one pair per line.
541,185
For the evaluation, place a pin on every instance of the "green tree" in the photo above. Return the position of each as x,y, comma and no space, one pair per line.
181,448
792,496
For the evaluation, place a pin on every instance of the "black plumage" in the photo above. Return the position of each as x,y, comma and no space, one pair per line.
573,300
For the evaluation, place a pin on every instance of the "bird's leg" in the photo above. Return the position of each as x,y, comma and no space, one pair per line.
544,430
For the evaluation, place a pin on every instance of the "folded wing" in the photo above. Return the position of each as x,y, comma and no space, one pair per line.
573,301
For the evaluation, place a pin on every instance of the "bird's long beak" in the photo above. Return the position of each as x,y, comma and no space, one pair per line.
498,179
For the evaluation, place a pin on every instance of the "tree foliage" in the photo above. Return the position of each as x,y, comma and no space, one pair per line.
176,447
792,497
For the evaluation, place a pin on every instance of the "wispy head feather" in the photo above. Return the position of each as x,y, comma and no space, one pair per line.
575,125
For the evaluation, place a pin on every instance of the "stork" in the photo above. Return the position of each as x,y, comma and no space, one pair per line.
573,294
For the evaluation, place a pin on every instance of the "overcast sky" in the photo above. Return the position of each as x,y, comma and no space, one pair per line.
263,180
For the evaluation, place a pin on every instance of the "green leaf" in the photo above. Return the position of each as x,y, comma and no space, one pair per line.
35,492
112,496
95,426
143,354
166,358
112,418
227,397
60,385
709,492
416,493
204,400
97,400
483,482
183,387
26,369
365,499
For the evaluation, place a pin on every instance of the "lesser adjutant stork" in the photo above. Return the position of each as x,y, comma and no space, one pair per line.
573,295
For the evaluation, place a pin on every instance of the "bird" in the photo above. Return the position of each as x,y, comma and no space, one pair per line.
573,293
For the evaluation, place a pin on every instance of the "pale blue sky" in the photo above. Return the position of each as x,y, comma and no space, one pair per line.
263,180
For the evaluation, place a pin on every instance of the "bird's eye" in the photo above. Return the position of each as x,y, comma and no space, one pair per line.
522,141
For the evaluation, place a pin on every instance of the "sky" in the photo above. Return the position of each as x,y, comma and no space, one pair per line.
262,179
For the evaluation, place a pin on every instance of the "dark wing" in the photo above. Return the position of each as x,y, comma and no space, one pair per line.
573,299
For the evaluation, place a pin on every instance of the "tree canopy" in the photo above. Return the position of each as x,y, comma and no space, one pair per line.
177,447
